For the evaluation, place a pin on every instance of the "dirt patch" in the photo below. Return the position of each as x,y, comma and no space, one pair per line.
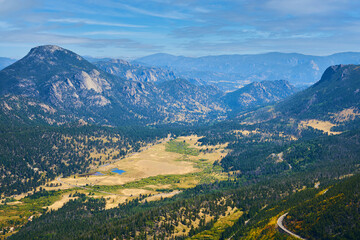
113,201
58,204
163,195
14,203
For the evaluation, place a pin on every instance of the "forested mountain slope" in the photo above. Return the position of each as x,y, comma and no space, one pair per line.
338,89
31,156
258,94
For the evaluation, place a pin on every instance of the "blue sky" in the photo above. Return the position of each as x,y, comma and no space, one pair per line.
130,29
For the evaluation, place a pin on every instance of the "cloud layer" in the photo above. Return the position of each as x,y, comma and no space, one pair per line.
193,28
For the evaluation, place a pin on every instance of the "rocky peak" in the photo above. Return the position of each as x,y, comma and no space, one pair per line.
337,73
120,61
52,54
46,48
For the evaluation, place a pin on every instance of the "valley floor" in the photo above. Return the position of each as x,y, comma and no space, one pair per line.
157,171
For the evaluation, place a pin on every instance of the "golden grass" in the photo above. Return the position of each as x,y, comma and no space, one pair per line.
324,126
266,232
231,216
348,114
113,201
164,195
346,176
58,204
150,162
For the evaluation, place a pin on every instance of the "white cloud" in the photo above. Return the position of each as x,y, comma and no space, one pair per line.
42,38
6,26
8,7
92,22
168,14
306,7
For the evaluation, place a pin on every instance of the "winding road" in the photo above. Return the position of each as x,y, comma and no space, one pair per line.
281,226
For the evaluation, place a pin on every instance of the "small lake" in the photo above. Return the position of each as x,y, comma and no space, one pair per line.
118,171
98,174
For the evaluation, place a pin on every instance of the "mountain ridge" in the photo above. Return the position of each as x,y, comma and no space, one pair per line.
258,93
62,79
232,71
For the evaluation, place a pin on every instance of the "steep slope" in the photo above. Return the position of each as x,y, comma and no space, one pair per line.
135,72
56,75
231,71
19,110
199,100
333,214
338,89
258,93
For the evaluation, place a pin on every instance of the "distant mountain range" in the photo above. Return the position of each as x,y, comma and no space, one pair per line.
232,71
55,86
227,72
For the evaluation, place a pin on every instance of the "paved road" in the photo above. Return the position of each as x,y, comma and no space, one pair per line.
280,224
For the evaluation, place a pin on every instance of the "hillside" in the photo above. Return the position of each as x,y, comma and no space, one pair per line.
334,213
331,105
271,169
338,89
258,93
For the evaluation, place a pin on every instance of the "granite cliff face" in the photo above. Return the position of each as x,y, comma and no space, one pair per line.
135,72
56,76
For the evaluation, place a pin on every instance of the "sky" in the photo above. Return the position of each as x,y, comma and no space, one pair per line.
136,28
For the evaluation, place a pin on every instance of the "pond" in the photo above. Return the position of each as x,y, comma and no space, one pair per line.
118,171
98,174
